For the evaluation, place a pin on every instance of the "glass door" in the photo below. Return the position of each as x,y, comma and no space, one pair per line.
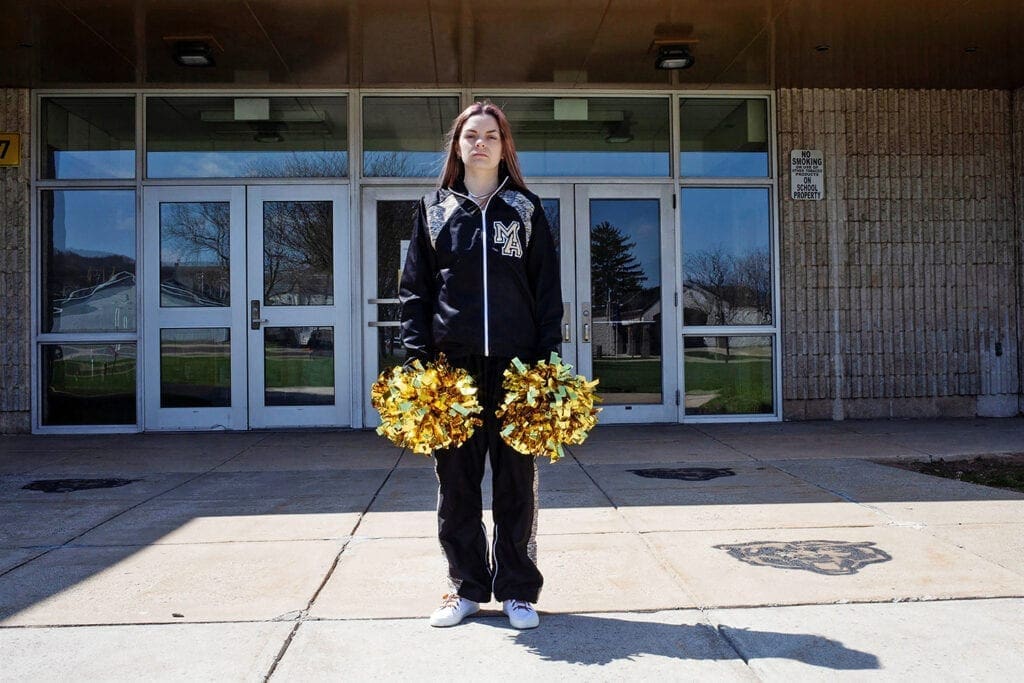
245,298
616,245
387,216
299,314
194,293
625,299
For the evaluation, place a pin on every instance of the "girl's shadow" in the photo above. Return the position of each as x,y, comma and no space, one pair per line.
583,639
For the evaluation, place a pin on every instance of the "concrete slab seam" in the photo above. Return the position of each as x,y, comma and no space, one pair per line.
302,615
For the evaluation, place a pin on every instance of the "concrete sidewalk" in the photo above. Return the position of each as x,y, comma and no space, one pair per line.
754,551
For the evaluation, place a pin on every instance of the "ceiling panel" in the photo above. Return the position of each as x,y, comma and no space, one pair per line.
339,43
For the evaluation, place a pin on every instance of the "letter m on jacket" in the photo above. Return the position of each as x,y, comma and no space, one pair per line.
509,237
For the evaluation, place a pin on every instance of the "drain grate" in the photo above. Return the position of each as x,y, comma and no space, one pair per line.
69,485
685,473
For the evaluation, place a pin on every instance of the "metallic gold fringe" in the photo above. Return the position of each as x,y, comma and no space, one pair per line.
546,406
426,408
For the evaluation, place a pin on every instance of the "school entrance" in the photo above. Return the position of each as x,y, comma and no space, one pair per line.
247,306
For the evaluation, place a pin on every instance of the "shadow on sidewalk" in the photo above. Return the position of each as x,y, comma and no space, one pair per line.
583,639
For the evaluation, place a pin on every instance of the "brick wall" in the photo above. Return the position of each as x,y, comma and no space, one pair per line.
1018,183
898,289
14,270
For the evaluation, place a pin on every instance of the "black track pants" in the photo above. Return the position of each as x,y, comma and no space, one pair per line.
511,570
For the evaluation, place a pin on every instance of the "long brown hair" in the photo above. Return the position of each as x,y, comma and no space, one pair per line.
453,165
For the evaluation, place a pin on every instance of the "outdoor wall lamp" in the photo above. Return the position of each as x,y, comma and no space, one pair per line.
193,53
674,57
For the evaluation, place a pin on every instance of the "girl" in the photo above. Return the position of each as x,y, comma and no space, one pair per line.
481,284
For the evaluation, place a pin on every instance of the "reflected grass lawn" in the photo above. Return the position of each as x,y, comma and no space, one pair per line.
740,385
94,378
628,375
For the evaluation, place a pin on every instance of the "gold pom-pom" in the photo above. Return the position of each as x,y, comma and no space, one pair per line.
546,406
426,408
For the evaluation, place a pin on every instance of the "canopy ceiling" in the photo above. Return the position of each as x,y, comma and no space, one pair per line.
529,43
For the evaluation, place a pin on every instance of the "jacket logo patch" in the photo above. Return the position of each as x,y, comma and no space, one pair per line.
509,237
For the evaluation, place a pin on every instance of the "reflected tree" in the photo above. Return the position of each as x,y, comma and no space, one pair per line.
298,252
617,276
197,236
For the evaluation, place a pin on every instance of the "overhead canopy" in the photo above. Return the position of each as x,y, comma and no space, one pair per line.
559,44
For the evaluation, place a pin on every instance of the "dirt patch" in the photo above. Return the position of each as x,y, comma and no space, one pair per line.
1000,470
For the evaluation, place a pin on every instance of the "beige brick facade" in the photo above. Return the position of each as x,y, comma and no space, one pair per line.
15,373
1018,184
900,289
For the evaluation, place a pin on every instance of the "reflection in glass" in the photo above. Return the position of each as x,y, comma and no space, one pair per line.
394,225
727,265
88,384
625,277
88,260
87,137
298,366
195,367
227,137
553,212
298,253
723,137
728,375
404,136
195,254
594,136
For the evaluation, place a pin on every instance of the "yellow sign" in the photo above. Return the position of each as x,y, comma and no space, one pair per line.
10,149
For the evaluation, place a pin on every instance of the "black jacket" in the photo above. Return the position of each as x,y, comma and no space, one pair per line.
463,298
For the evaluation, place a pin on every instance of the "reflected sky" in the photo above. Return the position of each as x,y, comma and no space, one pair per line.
92,222
195,164
117,163
724,164
733,219
596,164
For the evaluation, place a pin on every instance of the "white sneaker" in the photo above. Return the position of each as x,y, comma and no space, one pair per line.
453,609
520,614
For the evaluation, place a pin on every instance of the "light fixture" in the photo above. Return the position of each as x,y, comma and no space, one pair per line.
675,56
620,132
193,53
269,132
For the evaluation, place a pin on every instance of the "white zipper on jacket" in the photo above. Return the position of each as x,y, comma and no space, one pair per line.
483,243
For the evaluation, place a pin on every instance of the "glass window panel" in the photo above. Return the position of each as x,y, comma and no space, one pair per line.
553,212
625,277
88,384
728,375
596,136
247,137
298,253
394,224
723,137
195,254
298,366
195,367
87,137
88,260
727,264
404,136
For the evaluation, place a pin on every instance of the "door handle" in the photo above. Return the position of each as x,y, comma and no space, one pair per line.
566,322
254,315
585,314
586,332
566,336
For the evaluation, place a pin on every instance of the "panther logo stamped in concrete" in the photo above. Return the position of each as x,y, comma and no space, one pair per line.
833,558
685,473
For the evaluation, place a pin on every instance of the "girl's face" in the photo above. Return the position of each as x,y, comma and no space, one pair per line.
480,143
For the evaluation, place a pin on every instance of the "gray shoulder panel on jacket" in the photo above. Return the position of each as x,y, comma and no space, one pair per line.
438,214
523,206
